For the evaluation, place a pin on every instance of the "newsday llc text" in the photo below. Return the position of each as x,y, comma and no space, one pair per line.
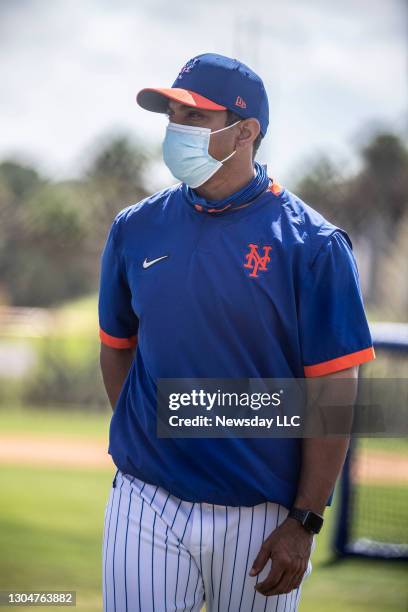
223,421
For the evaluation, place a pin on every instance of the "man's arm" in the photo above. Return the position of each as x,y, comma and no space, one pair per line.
289,545
115,364
323,458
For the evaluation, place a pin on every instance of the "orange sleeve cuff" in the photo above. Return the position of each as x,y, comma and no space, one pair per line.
117,343
340,363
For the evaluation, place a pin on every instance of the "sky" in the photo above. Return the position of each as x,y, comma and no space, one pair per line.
70,71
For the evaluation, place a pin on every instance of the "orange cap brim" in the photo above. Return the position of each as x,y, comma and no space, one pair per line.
156,99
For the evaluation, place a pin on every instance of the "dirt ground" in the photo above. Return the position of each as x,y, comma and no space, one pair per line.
379,467
376,467
46,451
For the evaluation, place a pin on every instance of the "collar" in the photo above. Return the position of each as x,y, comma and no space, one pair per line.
256,186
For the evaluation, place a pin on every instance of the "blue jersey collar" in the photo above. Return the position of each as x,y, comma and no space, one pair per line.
249,192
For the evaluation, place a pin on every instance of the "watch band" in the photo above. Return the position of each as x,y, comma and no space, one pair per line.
310,520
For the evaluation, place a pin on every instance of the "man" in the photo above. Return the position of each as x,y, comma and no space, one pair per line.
224,275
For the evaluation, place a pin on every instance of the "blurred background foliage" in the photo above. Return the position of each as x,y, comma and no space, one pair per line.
47,227
52,233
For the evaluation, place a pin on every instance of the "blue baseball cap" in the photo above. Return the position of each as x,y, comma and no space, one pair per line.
213,82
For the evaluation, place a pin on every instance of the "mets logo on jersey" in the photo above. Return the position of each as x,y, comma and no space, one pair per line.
256,261
188,67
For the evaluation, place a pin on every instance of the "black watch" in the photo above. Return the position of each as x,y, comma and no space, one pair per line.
311,521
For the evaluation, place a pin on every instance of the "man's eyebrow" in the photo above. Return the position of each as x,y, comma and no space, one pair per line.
186,107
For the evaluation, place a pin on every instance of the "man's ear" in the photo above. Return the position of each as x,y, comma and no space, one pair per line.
249,130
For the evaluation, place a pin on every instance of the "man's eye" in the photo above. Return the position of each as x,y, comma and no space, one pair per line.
195,114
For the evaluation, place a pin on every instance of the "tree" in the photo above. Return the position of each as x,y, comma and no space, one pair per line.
52,234
19,180
369,205
42,259
115,178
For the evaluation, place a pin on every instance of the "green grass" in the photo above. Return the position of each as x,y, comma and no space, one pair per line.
386,445
355,586
69,422
374,520
51,531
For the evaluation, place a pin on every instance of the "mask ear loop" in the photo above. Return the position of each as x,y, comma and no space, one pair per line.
229,156
226,128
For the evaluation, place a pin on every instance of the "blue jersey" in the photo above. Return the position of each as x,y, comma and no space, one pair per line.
266,290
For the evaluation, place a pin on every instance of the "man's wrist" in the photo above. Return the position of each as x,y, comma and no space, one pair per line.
295,525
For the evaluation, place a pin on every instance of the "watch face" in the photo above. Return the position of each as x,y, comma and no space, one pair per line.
313,522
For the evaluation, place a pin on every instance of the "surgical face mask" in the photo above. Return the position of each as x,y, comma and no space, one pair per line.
185,153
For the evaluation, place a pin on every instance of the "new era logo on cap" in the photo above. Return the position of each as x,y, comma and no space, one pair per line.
240,102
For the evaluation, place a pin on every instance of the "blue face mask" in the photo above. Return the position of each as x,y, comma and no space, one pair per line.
185,153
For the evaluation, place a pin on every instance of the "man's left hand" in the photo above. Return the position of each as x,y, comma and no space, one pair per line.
289,547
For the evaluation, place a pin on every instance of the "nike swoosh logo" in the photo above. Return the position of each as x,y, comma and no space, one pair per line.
147,264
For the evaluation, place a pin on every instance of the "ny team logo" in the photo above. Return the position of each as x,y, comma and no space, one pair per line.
187,67
255,261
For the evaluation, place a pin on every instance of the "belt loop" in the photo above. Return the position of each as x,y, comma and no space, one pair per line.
114,480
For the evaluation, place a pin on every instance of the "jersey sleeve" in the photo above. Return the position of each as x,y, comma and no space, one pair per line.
118,324
334,332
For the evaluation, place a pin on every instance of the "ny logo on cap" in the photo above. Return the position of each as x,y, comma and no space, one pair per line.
188,67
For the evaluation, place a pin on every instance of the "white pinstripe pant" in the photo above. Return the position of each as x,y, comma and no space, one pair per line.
163,554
